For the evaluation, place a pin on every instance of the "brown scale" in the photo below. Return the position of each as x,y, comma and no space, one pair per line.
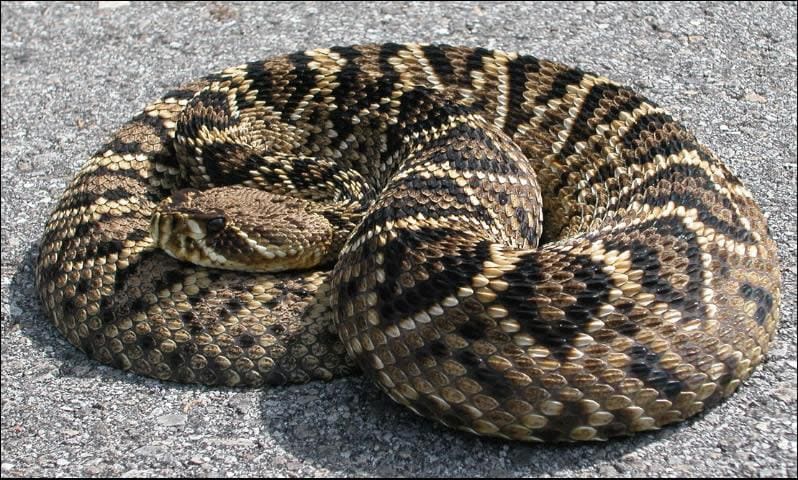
655,291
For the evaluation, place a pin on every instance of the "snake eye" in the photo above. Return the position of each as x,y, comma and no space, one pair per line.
215,225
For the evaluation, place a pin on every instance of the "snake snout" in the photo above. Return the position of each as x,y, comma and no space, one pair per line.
160,228
171,232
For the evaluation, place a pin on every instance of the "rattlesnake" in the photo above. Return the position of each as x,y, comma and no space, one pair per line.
637,285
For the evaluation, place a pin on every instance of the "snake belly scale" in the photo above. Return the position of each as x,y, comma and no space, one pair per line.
511,246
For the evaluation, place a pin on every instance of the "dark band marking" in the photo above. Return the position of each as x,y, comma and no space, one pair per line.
688,199
677,174
188,93
117,193
230,163
384,88
452,271
410,209
569,146
132,174
412,115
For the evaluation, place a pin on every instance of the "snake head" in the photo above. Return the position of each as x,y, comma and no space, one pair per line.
241,228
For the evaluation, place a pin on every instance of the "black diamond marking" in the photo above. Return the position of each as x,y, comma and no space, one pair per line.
130,173
348,86
612,114
679,172
412,207
436,54
303,82
649,122
557,335
389,75
646,259
230,163
208,109
474,63
580,130
763,299
455,146
518,70
261,82
645,366
77,200
687,199
437,112
109,247
306,173
559,86
456,270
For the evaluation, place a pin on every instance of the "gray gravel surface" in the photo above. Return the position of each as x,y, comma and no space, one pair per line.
72,73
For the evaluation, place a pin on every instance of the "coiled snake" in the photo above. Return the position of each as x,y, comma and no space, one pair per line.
504,244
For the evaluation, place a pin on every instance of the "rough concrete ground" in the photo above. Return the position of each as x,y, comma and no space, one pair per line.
72,73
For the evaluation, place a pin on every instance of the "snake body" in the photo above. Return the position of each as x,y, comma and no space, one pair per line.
532,252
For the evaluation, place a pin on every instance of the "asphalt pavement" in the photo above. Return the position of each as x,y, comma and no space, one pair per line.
73,73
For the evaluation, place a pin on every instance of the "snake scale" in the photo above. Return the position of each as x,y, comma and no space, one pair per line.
504,244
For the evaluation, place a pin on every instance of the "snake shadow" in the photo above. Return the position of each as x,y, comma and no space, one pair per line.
346,425
350,427
28,315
